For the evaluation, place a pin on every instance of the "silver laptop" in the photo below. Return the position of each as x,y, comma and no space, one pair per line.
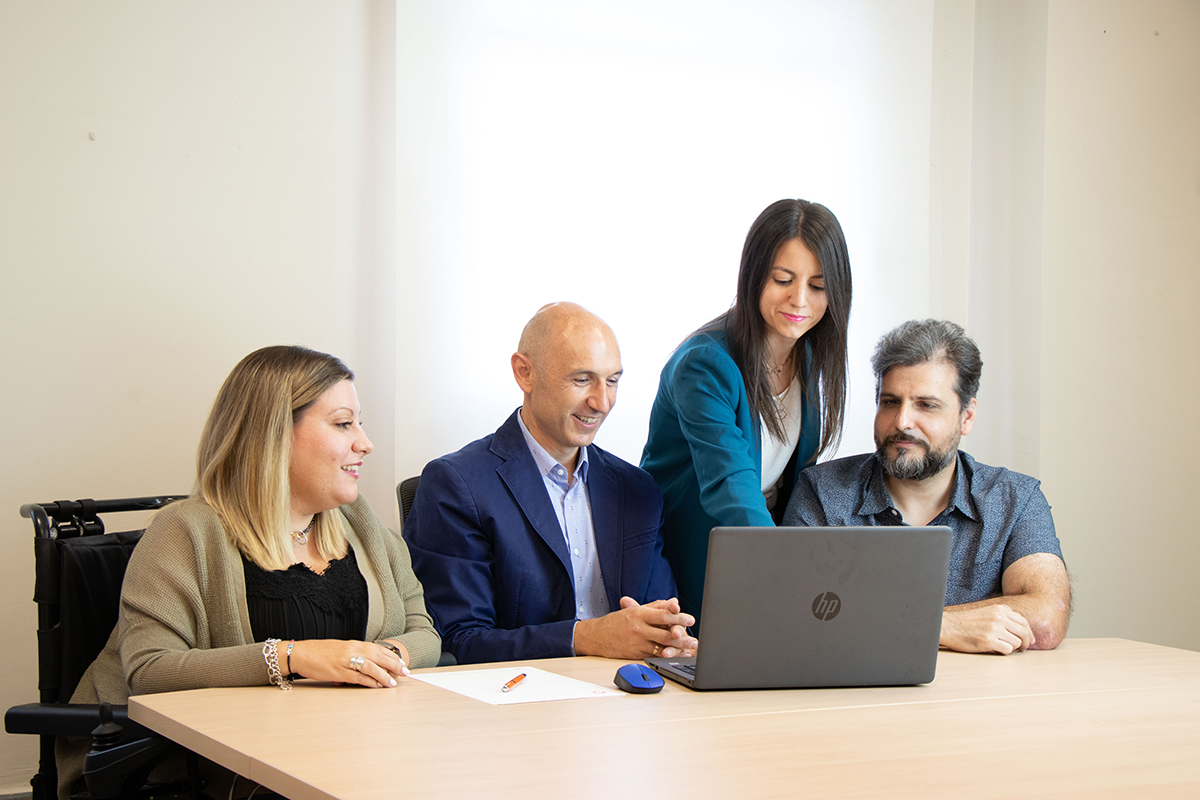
806,607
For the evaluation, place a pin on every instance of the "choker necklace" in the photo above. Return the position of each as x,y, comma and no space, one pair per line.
301,537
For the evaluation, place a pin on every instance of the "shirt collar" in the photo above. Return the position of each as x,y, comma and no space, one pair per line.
876,500
960,494
546,463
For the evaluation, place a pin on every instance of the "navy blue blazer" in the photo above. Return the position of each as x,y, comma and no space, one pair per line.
487,546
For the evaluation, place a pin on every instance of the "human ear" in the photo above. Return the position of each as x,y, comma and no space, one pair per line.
522,369
968,418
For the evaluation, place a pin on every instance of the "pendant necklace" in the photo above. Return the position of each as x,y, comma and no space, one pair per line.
301,537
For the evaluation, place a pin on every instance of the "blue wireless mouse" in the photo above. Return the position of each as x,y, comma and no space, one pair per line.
638,679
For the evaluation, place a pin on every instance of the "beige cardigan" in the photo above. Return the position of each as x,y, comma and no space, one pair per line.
183,620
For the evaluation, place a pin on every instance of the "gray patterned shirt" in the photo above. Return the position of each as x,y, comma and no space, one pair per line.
997,516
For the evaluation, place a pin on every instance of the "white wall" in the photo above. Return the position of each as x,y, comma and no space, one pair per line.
180,183
1121,336
615,154
237,190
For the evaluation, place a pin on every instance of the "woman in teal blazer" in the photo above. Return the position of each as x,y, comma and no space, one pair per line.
767,375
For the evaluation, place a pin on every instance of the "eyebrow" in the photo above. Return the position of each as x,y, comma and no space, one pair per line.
820,276
582,372
926,397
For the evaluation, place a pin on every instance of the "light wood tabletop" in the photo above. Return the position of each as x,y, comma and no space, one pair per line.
1094,718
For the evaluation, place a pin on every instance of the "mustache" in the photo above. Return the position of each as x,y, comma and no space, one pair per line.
905,437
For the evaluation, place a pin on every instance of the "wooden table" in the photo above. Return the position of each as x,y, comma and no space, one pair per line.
1094,718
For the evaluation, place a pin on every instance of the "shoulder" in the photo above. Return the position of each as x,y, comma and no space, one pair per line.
191,518
620,469
706,346
984,479
702,366
182,538
471,458
362,518
638,490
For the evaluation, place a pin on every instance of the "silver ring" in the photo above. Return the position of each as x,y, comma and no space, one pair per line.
356,663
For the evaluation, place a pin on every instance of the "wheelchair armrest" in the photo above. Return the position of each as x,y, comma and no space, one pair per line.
66,719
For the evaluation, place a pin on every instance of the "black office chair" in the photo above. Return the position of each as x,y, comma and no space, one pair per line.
77,588
406,492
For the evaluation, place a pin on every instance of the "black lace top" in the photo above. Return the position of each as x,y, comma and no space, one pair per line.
297,603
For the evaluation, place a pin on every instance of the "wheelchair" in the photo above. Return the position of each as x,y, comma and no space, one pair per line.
77,588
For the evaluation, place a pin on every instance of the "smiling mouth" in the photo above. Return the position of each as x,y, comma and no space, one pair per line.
795,317
353,470
589,421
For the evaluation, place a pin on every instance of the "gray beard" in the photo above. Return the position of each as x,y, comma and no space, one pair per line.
910,469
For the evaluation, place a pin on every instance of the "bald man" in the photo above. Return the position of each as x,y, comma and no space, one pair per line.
533,542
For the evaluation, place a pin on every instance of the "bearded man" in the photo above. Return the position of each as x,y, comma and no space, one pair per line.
1008,588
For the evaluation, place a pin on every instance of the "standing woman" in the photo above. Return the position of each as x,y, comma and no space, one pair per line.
755,395
276,569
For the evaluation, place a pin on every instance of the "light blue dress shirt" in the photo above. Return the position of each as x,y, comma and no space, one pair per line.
573,508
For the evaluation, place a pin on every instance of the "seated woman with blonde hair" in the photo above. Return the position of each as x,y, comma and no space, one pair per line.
276,568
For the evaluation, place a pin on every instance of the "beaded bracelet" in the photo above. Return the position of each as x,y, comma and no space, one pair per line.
272,658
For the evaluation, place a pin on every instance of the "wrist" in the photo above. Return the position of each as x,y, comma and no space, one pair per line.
581,639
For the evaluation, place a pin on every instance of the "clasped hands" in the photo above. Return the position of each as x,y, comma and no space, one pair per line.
637,631
333,660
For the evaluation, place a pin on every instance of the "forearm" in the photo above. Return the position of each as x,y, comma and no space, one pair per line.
152,669
421,647
475,644
1046,613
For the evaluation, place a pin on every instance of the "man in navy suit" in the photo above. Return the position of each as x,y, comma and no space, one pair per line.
535,543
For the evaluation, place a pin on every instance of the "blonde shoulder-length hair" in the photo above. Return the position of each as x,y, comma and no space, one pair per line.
246,447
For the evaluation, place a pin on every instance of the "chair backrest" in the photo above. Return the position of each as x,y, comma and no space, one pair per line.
79,570
406,492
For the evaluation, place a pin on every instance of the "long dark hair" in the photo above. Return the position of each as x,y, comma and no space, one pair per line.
823,367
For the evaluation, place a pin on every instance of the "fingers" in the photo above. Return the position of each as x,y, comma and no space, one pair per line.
671,606
376,670
670,642
361,663
391,662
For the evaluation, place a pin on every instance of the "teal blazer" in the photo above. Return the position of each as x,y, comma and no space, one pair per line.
704,450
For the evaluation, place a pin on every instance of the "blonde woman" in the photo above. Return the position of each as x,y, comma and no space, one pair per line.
275,569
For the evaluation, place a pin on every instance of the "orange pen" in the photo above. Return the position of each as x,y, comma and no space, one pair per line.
513,683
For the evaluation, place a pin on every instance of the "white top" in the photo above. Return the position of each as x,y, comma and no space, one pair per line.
775,454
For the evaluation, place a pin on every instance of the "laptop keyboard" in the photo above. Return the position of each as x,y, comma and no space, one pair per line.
686,669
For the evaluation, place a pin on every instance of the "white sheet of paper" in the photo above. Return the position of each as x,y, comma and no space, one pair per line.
538,686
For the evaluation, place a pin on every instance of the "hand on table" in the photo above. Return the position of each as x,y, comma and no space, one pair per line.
637,631
330,660
985,629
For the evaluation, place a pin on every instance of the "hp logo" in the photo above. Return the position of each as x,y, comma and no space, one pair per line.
826,606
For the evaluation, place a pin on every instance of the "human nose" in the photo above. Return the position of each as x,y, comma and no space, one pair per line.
904,417
363,443
800,296
602,398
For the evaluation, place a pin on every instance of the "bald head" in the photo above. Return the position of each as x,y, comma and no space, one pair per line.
555,325
567,364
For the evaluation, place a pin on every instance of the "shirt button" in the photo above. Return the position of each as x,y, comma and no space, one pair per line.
576,551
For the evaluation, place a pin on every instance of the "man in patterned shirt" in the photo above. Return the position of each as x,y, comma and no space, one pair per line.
1008,588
